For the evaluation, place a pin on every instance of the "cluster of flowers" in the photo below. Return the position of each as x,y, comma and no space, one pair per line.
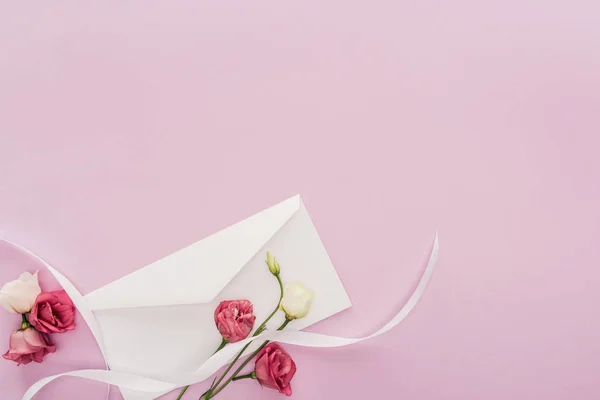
42,314
273,367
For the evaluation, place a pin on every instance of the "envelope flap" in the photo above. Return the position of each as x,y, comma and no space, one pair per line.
197,273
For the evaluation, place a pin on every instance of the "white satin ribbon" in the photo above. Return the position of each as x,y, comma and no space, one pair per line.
218,360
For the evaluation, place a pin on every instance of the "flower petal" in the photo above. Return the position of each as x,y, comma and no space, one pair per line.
34,339
287,390
62,297
17,343
5,303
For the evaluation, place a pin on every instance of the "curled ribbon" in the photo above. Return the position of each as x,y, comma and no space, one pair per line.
155,387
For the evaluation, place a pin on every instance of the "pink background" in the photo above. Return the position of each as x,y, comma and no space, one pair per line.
131,129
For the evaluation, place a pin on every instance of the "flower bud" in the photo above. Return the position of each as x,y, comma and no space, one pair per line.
273,264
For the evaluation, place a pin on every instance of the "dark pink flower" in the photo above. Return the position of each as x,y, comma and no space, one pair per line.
275,368
28,345
53,312
234,319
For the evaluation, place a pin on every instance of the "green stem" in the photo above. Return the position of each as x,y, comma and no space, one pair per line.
204,394
25,324
262,326
183,392
262,346
251,375
223,344
258,331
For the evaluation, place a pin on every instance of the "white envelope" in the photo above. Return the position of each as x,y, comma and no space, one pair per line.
158,321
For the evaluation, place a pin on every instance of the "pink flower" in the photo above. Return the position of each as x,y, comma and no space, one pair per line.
53,312
275,369
234,319
28,345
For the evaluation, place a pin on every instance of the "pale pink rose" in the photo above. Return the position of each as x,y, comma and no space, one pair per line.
28,345
53,312
275,368
234,319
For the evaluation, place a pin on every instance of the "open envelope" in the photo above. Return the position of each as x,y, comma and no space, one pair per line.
158,321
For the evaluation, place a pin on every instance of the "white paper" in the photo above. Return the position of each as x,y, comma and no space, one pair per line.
158,335
197,273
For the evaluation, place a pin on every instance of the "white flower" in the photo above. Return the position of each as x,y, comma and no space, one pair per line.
296,300
19,296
